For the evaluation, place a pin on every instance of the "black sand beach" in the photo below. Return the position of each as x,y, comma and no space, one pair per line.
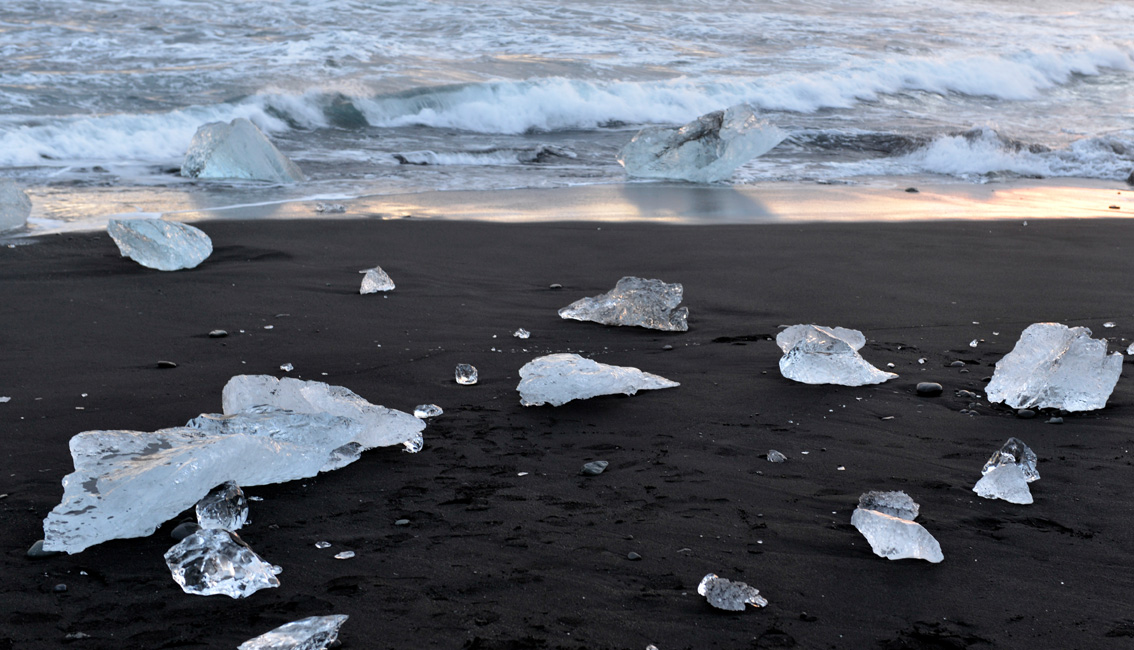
507,546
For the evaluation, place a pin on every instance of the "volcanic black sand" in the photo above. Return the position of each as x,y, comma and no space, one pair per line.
507,545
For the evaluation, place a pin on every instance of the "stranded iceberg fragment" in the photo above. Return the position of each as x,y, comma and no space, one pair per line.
885,519
559,378
214,561
1055,366
15,206
1007,473
375,280
237,150
706,150
826,355
225,508
634,301
311,633
726,594
160,244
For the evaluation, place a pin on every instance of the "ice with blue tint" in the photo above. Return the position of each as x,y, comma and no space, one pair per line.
160,244
237,150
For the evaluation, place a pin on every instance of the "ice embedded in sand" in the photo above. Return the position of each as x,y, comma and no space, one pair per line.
1055,366
423,411
727,594
160,244
15,206
706,150
237,150
214,561
465,374
375,280
634,301
556,379
887,523
225,507
815,354
311,633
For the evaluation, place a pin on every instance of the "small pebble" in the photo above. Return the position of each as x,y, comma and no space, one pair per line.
911,190
957,364
633,556
36,550
183,530
967,394
594,468
59,588
1115,207
218,334
402,522
667,347
1025,414
929,389
1055,420
166,364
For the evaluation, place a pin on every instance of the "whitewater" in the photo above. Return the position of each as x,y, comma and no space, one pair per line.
99,100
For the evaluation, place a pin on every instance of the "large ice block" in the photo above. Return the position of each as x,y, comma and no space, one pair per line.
634,301
160,244
237,150
214,562
15,206
1005,482
706,150
886,520
556,379
815,354
311,633
1055,366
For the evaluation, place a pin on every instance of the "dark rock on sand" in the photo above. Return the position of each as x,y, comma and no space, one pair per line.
1055,420
37,551
1025,414
929,389
594,468
633,556
912,190
183,530
166,364
957,364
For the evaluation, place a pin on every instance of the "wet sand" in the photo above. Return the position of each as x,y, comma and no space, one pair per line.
507,546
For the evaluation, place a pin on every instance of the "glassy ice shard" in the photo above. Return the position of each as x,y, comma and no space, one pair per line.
426,411
225,507
634,301
521,333
706,150
237,150
213,561
559,378
160,244
465,374
815,354
1014,452
1055,366
885,519
775,456
376,280
727,594
15,206
311,633
898,504
1005,482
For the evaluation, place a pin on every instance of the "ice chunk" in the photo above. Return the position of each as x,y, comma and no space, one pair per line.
1005,482
1055,366
706,150
1014,452
215,561
15,206
160,244
225,507
427,411
899,504
465,374
814,354
775,456
521,333
896,538
634,301
311,633
559,378
237,150
376,280
730,595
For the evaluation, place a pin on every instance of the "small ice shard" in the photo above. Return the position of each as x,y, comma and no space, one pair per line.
730,595
1110,323
311,633
706,150
330,208
521,333
15,206
237,150
898,504
160,244
594,468
322,545
1055,366
775,456
376,280
634,301
1005,482
1014,452
1130,350
973,343
423,411
345,555
287,367
896,538
559,378
814,354
215,561
465,374
225,507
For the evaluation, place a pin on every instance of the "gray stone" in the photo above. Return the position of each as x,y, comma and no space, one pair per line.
184,529
594,468
36,551
166,364
929,389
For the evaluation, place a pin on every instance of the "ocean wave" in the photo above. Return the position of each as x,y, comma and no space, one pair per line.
497,156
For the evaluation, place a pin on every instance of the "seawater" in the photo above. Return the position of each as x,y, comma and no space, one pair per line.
99,100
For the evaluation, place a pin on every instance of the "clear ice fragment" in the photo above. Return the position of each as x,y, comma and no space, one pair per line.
973,343
345,555
1005,482
1110,323
727,594
706,150
311,633
376,280
214,561
814,354
15,206
556,379
237,150
465,374
1055,366
427,411
634,301
896,538
322,545
225,507
160,244
330,208
521,333
287,367
1014,452
897,503
775,456
1130,350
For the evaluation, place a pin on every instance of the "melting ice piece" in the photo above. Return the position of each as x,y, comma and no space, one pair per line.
775,456
521,333
160,244
15,206
427,411
559,378
634,301
1014,452
237,150
898,504
376,280
225,507
730,595
465,374
1005,482
706,150
896,538
1055,366
214,561
826,355
311,633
